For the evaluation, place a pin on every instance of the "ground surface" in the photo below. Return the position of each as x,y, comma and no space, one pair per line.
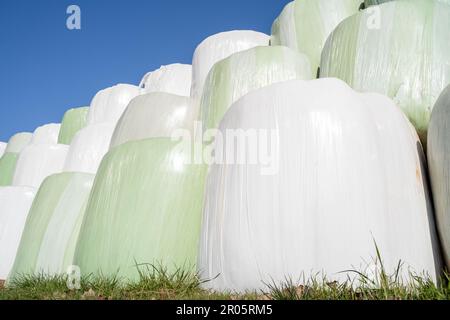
159,285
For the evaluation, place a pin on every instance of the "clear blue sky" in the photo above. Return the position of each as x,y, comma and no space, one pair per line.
46,69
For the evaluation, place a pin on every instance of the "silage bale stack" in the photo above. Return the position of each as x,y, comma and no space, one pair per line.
345,176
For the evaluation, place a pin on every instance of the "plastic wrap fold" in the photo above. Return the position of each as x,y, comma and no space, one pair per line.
245,71
109,104
174,78
51,230
304,25
218,47
400,50
336,173
439,164
145,208
73,121
7,168
18,142
88,148
155,115
46,134
15,204
37,162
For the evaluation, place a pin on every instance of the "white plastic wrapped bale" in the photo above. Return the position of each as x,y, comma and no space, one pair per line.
15,204
155,115
47,134
336,173
174,78
88,148
18,142
218,47
439,164
2,148
109,104
37,162
400,50
233,77
304,25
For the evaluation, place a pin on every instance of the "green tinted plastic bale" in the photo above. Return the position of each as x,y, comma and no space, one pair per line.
304,25
52,227
145,208
74,120
39,216
57,248
400,50
243,72
7,167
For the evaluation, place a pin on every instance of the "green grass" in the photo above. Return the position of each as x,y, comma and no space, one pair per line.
156,283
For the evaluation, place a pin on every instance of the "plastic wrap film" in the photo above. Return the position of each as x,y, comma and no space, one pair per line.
245,71
48,238
2,148
37,162
15,204
218,47
155,115
18,142
295,213
109,104
376,2
88,148
400,50
47,134
7,168
132,218
73,121
173,78
304,25
439,164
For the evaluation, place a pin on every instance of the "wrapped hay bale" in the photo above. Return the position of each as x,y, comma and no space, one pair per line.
73,121
174,78
145,208
243,72
51,230
401,50
218,47
155,115
15,204
294,214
